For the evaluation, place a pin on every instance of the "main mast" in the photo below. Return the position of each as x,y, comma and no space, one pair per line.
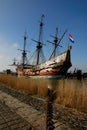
39,42
39,45
24,51
55,41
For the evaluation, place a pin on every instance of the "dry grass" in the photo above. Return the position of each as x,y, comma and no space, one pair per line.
24,84
70,92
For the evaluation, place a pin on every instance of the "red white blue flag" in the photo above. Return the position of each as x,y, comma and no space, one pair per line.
71,38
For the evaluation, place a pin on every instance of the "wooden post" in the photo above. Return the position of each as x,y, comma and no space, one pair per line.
49,110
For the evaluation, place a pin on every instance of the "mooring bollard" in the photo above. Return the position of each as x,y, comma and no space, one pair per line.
49,110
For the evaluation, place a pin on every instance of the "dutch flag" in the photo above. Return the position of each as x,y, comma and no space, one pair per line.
71,38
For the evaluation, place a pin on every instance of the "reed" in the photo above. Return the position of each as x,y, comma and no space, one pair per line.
69,92
72,94
31,86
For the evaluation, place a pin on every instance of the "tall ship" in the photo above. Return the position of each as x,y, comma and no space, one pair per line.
57,65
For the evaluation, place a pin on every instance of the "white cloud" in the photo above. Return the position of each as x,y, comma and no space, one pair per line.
1,56
15,45
7,53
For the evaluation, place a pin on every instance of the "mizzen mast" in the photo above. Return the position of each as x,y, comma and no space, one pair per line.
56,42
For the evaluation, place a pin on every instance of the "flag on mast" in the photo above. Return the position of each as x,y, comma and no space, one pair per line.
71,38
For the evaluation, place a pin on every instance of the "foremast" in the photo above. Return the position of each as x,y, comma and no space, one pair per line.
24,53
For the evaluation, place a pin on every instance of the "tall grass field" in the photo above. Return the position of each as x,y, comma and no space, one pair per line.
69,92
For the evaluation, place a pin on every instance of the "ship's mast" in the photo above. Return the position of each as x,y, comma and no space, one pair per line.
39,42
56,42
39,45
24,51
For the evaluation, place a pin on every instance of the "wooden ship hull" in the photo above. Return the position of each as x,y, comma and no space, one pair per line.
54,67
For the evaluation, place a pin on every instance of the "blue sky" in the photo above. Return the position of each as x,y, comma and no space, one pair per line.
16,16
